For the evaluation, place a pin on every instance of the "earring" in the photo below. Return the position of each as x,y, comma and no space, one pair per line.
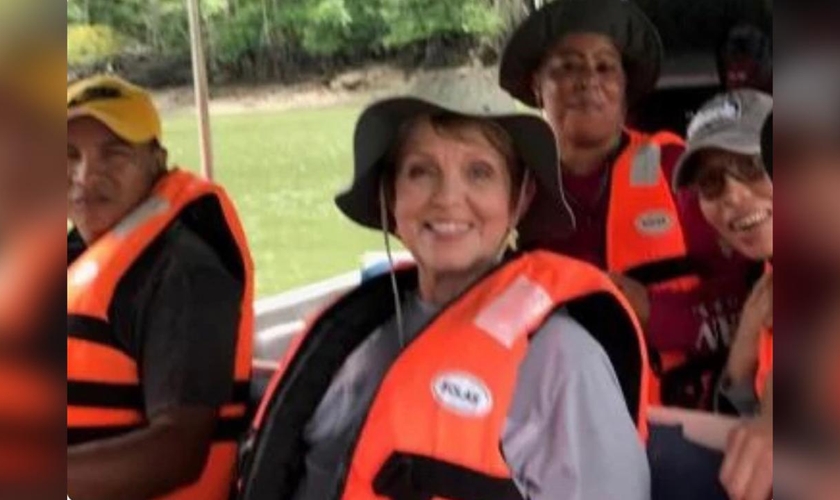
513,240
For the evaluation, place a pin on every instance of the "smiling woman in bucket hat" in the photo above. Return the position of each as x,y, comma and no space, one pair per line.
584,63
378,129
441,380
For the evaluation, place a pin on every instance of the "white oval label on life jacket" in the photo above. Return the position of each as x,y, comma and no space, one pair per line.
463,394
654,222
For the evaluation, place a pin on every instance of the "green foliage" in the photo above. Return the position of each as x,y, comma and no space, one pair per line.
159,25
414,20
76,13
256,31
236,36
329,27
93,44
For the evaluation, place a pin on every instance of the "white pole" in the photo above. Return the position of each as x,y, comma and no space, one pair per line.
200,84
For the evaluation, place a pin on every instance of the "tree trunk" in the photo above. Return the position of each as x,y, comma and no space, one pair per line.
153,26
267,43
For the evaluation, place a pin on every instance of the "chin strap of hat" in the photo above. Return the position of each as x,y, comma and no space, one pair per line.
383,219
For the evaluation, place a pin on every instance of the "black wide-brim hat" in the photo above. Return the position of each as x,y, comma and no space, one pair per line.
377,131
633,33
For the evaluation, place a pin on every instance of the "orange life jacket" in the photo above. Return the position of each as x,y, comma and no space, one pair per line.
765,361
765,353
32,385
646,242
103,383
434,427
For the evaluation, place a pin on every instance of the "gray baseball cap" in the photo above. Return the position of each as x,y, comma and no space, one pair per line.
731,121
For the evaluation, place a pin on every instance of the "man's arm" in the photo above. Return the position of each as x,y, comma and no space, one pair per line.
186,332
569,435
168,453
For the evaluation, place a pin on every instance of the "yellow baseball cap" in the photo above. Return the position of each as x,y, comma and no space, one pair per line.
121,106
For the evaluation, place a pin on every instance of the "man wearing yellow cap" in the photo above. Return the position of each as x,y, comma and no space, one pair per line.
159,313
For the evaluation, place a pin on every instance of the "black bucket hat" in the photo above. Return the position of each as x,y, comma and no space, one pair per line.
377,130
633,33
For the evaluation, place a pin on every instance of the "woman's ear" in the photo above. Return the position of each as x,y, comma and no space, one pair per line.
524,199
530,192
536,88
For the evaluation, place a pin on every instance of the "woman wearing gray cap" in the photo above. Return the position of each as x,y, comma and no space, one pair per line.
584,63
724,165
478,374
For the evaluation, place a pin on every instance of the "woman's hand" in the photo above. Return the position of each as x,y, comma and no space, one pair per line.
747,471
756,315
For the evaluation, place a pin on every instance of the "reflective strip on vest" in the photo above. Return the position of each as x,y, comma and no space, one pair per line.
104,392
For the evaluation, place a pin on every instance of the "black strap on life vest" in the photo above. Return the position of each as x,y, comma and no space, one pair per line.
406,476
129,396
662,271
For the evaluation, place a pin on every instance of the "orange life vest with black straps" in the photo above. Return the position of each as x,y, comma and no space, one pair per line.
434,427
32,384
645,240
104,393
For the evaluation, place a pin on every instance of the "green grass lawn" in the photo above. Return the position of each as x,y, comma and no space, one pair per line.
282,169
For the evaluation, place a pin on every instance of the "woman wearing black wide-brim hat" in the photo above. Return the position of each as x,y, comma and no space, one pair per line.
583,63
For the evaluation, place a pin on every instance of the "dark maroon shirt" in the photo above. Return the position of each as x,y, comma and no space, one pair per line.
701,320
